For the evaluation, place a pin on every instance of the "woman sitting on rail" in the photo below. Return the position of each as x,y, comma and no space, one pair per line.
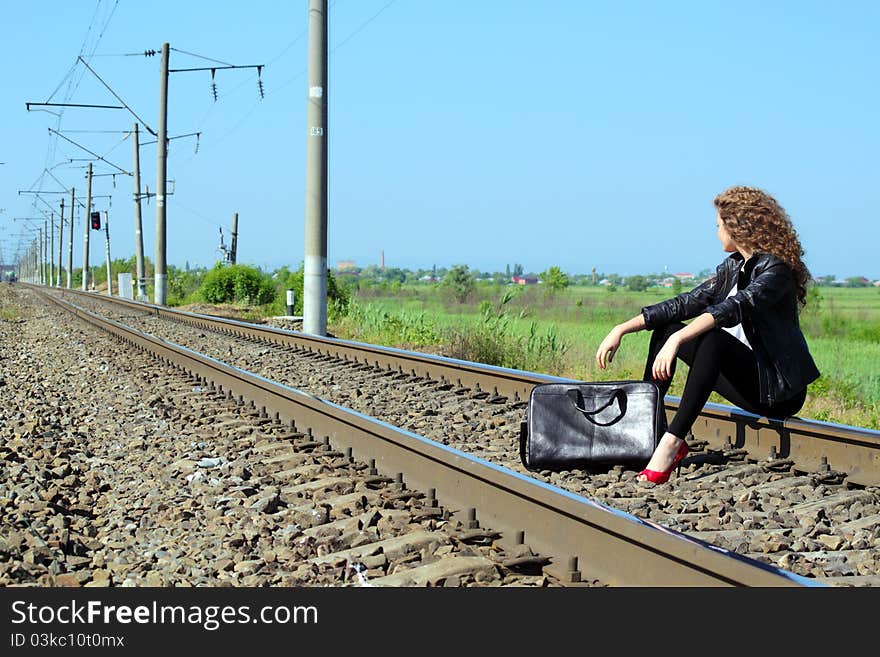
745,341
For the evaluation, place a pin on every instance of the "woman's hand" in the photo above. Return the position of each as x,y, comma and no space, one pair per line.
662,368
608,348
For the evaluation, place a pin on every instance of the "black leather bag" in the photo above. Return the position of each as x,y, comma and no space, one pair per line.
581,425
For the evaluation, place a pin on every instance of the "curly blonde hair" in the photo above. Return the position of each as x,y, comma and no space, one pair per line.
755,220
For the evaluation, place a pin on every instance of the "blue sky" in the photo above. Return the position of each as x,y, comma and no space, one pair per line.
486,133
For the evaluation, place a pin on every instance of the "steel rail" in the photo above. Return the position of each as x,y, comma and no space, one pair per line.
582,539
812,445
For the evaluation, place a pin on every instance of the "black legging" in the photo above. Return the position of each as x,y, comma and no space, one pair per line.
719,362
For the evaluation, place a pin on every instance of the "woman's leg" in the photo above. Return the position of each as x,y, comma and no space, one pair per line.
708,356
718,362
658,339
724,364
669,444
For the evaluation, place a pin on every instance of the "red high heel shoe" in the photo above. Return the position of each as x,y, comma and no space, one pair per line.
662,476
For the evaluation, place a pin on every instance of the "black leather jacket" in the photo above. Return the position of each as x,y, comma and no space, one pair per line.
766,305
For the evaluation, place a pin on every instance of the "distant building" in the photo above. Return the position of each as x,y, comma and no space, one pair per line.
345,265
524,280
684,276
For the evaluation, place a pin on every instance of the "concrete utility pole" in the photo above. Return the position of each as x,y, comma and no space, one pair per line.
46,254
315,266
159,293
60,241
234,247
51,281
41,257
107,233
70,246
87,227
138,234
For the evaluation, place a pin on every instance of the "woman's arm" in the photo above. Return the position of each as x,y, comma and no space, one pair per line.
663,363
768,285
662,367
685,305
611,343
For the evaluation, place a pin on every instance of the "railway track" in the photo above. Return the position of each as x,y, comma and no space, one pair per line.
820,523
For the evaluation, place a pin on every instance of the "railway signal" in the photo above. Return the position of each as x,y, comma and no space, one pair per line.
96,221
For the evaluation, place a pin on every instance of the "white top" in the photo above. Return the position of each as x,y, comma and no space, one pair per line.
736,331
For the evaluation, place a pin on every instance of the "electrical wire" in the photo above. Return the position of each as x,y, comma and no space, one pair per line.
63,80
207,220
249,79
192,54
363,25
144,123
72,84
351,35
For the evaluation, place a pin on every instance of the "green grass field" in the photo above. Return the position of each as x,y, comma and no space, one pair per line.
529,328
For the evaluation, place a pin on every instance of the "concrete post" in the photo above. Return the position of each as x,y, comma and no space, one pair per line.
70,246
161,275
138,225
107,234
315,265
87,226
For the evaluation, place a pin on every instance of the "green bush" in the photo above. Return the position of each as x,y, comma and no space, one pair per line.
338,293
237,284
183,285
493,342
375,323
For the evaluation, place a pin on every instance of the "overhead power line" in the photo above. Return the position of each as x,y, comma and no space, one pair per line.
128,173
192,54
115,95
362,26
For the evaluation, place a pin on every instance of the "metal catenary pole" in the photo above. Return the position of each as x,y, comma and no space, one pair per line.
87,227
70,245
159,293
107,234
138,225
315,266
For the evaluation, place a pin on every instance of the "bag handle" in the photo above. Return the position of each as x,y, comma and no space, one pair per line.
619,395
